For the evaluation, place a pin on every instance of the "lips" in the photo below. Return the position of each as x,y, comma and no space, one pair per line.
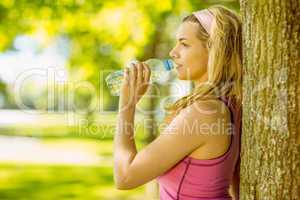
178,66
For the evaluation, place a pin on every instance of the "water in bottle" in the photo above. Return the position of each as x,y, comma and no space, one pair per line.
160,71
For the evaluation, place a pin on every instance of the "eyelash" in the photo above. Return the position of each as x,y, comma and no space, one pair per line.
185,45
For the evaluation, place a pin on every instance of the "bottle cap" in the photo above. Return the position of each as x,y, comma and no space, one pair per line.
168,64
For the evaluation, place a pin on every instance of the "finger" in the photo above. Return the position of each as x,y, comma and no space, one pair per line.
147,72
139,74
130,68
133,75
126,75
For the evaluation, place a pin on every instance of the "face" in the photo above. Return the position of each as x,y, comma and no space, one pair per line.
189,53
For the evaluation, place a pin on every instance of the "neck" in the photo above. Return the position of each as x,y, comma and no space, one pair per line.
201,80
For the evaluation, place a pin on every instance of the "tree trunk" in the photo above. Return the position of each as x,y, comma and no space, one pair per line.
271,99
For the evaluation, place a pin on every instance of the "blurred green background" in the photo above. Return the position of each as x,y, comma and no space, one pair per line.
57,117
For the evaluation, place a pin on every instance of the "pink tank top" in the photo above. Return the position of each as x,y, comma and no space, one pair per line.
195,179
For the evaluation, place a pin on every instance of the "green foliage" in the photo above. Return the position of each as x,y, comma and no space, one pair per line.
36,181
103,34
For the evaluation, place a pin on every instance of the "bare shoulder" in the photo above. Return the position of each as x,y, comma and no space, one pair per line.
210,109
202,118
214,119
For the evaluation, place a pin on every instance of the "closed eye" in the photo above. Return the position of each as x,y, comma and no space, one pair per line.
184,44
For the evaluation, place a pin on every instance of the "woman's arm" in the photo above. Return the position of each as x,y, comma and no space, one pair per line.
182,136
124,144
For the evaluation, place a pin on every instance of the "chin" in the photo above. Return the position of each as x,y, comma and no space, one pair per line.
184,78
180,77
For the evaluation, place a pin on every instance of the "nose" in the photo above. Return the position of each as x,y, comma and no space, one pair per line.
173,54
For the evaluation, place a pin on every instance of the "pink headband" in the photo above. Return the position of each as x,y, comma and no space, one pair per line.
205,18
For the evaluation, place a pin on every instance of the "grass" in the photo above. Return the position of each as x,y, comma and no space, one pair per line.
61,182
20,181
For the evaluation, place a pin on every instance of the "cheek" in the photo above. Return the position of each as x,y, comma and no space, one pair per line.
198,60
194,65
194,62
187,58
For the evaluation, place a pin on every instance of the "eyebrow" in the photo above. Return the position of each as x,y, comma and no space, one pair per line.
182,38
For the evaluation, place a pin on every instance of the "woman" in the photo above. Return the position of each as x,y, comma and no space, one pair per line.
196,156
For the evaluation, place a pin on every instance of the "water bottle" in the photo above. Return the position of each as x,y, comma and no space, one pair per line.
160,72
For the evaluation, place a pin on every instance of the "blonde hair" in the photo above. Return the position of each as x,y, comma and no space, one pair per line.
224,68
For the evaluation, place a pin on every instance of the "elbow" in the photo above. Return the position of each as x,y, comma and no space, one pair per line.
126,181
119,186
122,187
122,184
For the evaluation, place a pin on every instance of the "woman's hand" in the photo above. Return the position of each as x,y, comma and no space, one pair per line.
135,84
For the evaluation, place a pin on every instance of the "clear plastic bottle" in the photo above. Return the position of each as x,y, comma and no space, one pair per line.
160,71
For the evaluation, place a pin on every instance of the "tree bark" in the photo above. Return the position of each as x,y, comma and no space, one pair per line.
271,100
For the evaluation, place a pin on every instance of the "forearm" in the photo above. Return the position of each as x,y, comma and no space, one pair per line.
124,144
